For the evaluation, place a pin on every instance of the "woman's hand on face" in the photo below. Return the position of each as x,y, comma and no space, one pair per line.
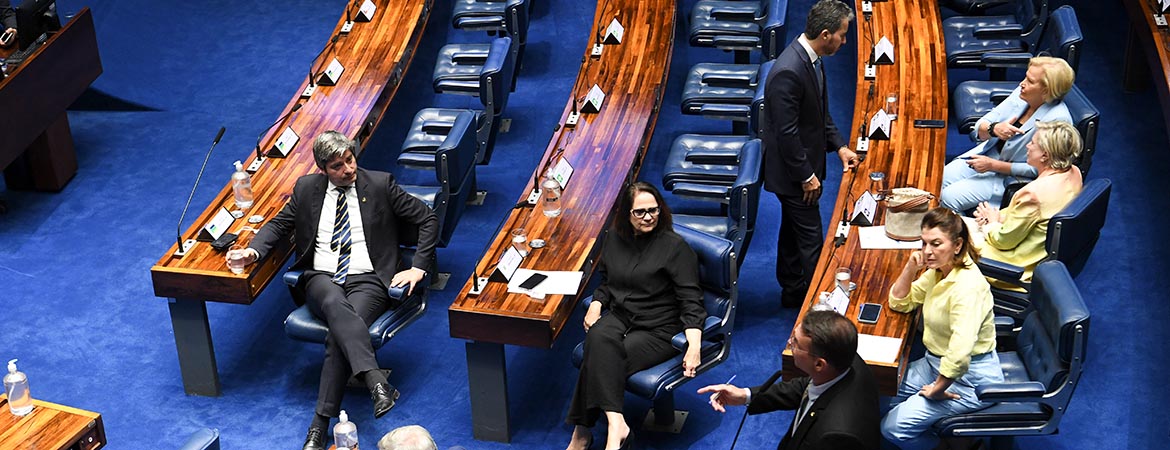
592,315
916,262
691,361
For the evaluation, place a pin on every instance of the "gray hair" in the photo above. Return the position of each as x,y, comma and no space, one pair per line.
329,145
410,437
826,15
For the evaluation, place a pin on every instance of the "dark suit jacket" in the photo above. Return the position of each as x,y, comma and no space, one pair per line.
799,130
844,417
384,207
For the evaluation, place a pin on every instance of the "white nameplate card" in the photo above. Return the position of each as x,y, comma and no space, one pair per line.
879,126
614,32
561,172
866,7
883,52
1164,6
217,226
331,74
1160,20
593,100
284,144
864,210
839,300
509,262
366,14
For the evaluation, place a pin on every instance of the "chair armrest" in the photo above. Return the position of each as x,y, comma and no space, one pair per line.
292,277
1011,392
728,80
735,41
399,293
724,110
1011,31
1000,270
719,156
1014,59
1004,326
701,191
205,439
710,325
745,12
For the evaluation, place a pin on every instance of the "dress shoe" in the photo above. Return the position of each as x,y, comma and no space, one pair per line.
383,396
628,442
315,440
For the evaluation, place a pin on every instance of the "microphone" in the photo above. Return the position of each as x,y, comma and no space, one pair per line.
260,156
475,287
313,68
365,131
179,228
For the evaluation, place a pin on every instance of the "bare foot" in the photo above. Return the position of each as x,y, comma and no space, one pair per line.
617,432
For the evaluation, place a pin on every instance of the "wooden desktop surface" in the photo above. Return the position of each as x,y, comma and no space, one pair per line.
1155,42
913,157
375,56
606,151
51,427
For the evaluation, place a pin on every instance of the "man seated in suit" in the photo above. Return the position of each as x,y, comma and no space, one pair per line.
836,404
343,222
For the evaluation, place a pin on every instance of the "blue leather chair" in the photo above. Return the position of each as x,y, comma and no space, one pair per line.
302,325
740,26
1041,375
717,276
205,439
969,38
432,125
726,91
1072,235
454,167
484,15
741,199
458,66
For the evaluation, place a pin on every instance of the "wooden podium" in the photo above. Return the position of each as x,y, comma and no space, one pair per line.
51,427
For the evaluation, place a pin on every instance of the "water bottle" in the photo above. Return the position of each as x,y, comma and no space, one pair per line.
822,303
551,191
345,433
242,187
16,387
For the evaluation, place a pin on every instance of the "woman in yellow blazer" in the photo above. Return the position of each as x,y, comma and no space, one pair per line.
1016,235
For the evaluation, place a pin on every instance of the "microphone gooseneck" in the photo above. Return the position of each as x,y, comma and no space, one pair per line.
183,215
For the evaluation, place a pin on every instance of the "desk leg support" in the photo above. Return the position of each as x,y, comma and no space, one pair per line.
487,380
1136,71
193,342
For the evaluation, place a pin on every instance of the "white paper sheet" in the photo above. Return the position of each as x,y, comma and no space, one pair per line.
878,348
557,283
875,238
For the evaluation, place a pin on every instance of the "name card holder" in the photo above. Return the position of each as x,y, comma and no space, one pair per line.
883,52
216,226
864,210
331,74
506,267
879,126
593,100
366,13
614,33
284,144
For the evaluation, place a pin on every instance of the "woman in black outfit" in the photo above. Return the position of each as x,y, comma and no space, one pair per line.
650,286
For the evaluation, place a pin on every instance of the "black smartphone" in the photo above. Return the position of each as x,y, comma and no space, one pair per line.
224,242
533,281
869,313
929,123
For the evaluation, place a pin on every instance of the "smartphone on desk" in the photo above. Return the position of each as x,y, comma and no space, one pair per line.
533,281
869,313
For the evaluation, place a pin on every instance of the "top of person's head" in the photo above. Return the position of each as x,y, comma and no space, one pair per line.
329,145
410,437
833,337
826,15
1061,141
621,220
955,229
1058,76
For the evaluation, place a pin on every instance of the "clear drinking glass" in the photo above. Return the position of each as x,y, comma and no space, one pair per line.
236,258
520,240
892,105
843,276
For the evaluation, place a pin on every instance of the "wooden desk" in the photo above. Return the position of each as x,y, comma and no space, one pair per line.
51,427
605,150
1155,43
37,148
913,157
375,56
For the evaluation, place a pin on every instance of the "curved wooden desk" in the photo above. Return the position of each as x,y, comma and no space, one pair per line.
1156,44
913,157
605,150
375,56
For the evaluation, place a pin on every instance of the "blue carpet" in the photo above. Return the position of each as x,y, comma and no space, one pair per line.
80,313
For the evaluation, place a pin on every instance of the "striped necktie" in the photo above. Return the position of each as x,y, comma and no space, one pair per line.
341,237
800,411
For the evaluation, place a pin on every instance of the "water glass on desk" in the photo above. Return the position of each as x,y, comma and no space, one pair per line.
520,241
843,279
237,258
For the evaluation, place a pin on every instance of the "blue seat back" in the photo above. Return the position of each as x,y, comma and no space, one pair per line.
1062,37
455,163
744,196
1053,336
756,113
495,81
1032,15
1086,117
516,20
775,31
1073,232
716,270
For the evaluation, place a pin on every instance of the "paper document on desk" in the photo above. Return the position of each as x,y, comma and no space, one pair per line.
875,238
878,348
557,283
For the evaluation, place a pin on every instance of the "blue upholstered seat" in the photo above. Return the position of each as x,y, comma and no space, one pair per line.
454,167
718,269
725,91
1042,373
458,66
204,439
969,38
483,15
742,197
740,25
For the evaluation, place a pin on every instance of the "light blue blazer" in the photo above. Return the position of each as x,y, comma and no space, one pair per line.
1015,149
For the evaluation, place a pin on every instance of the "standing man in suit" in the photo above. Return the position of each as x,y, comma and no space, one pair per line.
836,404
343,222
798,135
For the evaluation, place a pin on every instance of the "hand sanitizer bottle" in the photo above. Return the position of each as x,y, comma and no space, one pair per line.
242,187
16,387
345,433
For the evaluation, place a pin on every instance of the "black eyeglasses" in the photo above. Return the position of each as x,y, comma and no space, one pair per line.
642,212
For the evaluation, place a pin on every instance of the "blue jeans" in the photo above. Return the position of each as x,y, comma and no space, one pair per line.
963,188
908,423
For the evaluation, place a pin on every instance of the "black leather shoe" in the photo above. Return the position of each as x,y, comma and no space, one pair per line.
383,396
315,440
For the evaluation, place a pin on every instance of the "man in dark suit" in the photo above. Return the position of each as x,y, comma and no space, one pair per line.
837,404
343,222
799,133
